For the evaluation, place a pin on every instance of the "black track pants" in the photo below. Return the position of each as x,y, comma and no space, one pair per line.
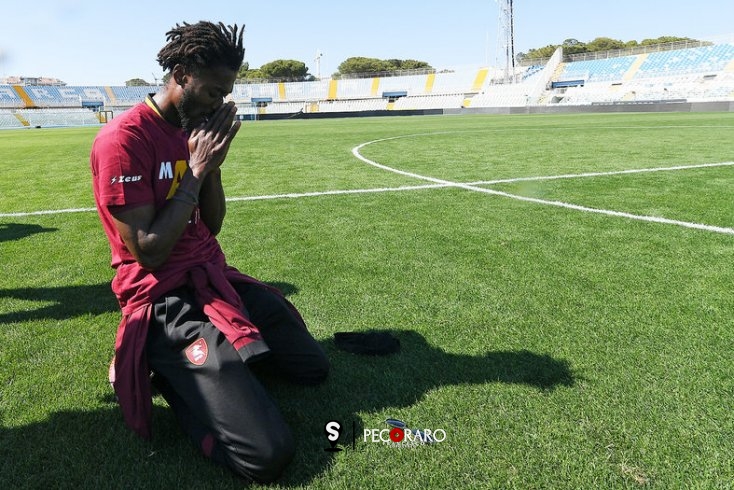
220,403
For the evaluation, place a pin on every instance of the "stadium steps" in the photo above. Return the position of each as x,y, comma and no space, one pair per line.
375,88
22,119
560,69
635,67
111,95
430,80
24,96
479,80
332,90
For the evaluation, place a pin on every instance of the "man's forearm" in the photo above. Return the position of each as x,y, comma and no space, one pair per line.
211,201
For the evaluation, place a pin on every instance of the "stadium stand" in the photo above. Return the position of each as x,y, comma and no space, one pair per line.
511,95
9,98
127,96
460,81
356,105
353,88
305,91
697,74
702,73
597,70
440,101
281,108
55,118
48,117
686,61
8,119
247,92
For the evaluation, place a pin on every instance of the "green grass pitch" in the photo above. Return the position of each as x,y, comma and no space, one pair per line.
565,312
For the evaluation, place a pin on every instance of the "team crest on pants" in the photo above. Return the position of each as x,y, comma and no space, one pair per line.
197,352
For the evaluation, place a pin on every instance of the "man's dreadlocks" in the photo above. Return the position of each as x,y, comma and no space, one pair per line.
202,45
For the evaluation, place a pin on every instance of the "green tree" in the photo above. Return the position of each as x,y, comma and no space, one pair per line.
360,64
136,82
664,40
242,72
410,65
285,70
604,44
573,46
278,70
539,53
255,74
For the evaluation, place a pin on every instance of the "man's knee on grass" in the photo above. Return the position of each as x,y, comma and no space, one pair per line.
265,460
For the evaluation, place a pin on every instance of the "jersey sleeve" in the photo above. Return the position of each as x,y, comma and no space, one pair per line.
122,164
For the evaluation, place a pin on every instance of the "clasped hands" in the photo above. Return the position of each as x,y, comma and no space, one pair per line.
209,142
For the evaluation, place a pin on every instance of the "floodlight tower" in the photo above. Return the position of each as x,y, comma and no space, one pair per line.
319,54
507,38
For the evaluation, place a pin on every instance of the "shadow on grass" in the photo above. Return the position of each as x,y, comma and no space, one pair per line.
66,302
93,449
360,384
72,301
16,231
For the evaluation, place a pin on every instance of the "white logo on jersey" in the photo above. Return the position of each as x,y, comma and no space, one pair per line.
123,179
166,171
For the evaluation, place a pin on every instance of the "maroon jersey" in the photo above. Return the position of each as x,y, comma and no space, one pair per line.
139,158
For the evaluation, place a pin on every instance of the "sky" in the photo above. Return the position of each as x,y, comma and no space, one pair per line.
103,42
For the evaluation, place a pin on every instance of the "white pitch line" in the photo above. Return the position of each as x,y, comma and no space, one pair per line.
47,211
439,183
601,174
607,212
248,198
336,192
